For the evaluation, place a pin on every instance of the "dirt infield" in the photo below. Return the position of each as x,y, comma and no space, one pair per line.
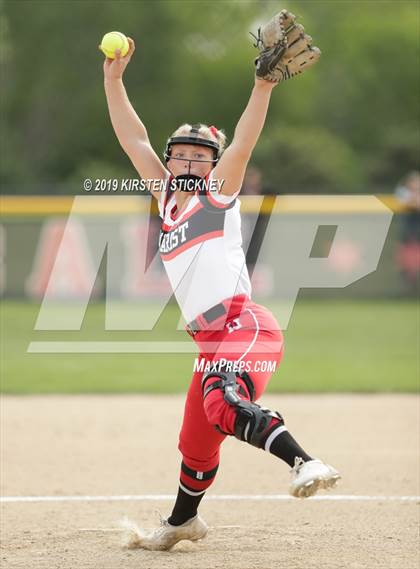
126,445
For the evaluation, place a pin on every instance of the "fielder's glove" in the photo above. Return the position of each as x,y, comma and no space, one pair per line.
285,49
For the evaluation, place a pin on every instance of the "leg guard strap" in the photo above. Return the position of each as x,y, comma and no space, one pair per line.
219,385
228,384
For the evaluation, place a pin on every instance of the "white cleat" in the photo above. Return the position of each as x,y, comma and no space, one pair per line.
309,477
166,536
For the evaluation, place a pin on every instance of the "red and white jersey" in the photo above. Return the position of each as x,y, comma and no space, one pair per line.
201,249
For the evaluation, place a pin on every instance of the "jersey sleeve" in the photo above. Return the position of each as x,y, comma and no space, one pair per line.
215,197
221,198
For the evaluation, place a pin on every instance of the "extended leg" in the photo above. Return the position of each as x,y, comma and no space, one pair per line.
192,487
199,444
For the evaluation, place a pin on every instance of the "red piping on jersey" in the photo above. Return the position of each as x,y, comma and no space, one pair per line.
174,218
215,203
166,227
169,192
200,239
174,214
208,194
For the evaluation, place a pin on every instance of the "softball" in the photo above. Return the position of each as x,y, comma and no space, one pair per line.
112,41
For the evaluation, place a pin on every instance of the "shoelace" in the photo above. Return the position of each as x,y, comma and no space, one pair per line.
162,521
299,462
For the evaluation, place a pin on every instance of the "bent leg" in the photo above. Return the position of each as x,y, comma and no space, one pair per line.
229,404
230,397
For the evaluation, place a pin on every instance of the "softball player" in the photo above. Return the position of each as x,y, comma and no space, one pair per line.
201,248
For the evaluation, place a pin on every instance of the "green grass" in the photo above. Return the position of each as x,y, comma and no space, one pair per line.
330,346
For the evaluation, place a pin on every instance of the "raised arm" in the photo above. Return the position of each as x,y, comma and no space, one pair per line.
285,51
128,127
232,165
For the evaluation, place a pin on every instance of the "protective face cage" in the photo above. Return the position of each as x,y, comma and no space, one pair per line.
195,139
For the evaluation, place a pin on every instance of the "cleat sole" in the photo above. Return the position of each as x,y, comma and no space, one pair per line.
312,486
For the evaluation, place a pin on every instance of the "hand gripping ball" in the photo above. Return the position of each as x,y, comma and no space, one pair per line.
112,41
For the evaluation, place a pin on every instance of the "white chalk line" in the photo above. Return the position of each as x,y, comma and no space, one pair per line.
216,497
122,530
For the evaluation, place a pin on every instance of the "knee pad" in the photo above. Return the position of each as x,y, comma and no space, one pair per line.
252,421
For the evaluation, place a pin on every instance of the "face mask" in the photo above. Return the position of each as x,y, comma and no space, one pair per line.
189,183
212,162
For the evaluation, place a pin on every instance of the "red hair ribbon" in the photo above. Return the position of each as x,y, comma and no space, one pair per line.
213,130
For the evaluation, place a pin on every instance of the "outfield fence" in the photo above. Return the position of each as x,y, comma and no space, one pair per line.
277,232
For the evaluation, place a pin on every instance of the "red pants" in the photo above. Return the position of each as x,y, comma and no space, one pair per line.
249,336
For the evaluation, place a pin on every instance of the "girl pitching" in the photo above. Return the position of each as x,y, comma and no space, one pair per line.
239,342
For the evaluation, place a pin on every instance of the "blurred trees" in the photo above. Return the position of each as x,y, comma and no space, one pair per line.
351,124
